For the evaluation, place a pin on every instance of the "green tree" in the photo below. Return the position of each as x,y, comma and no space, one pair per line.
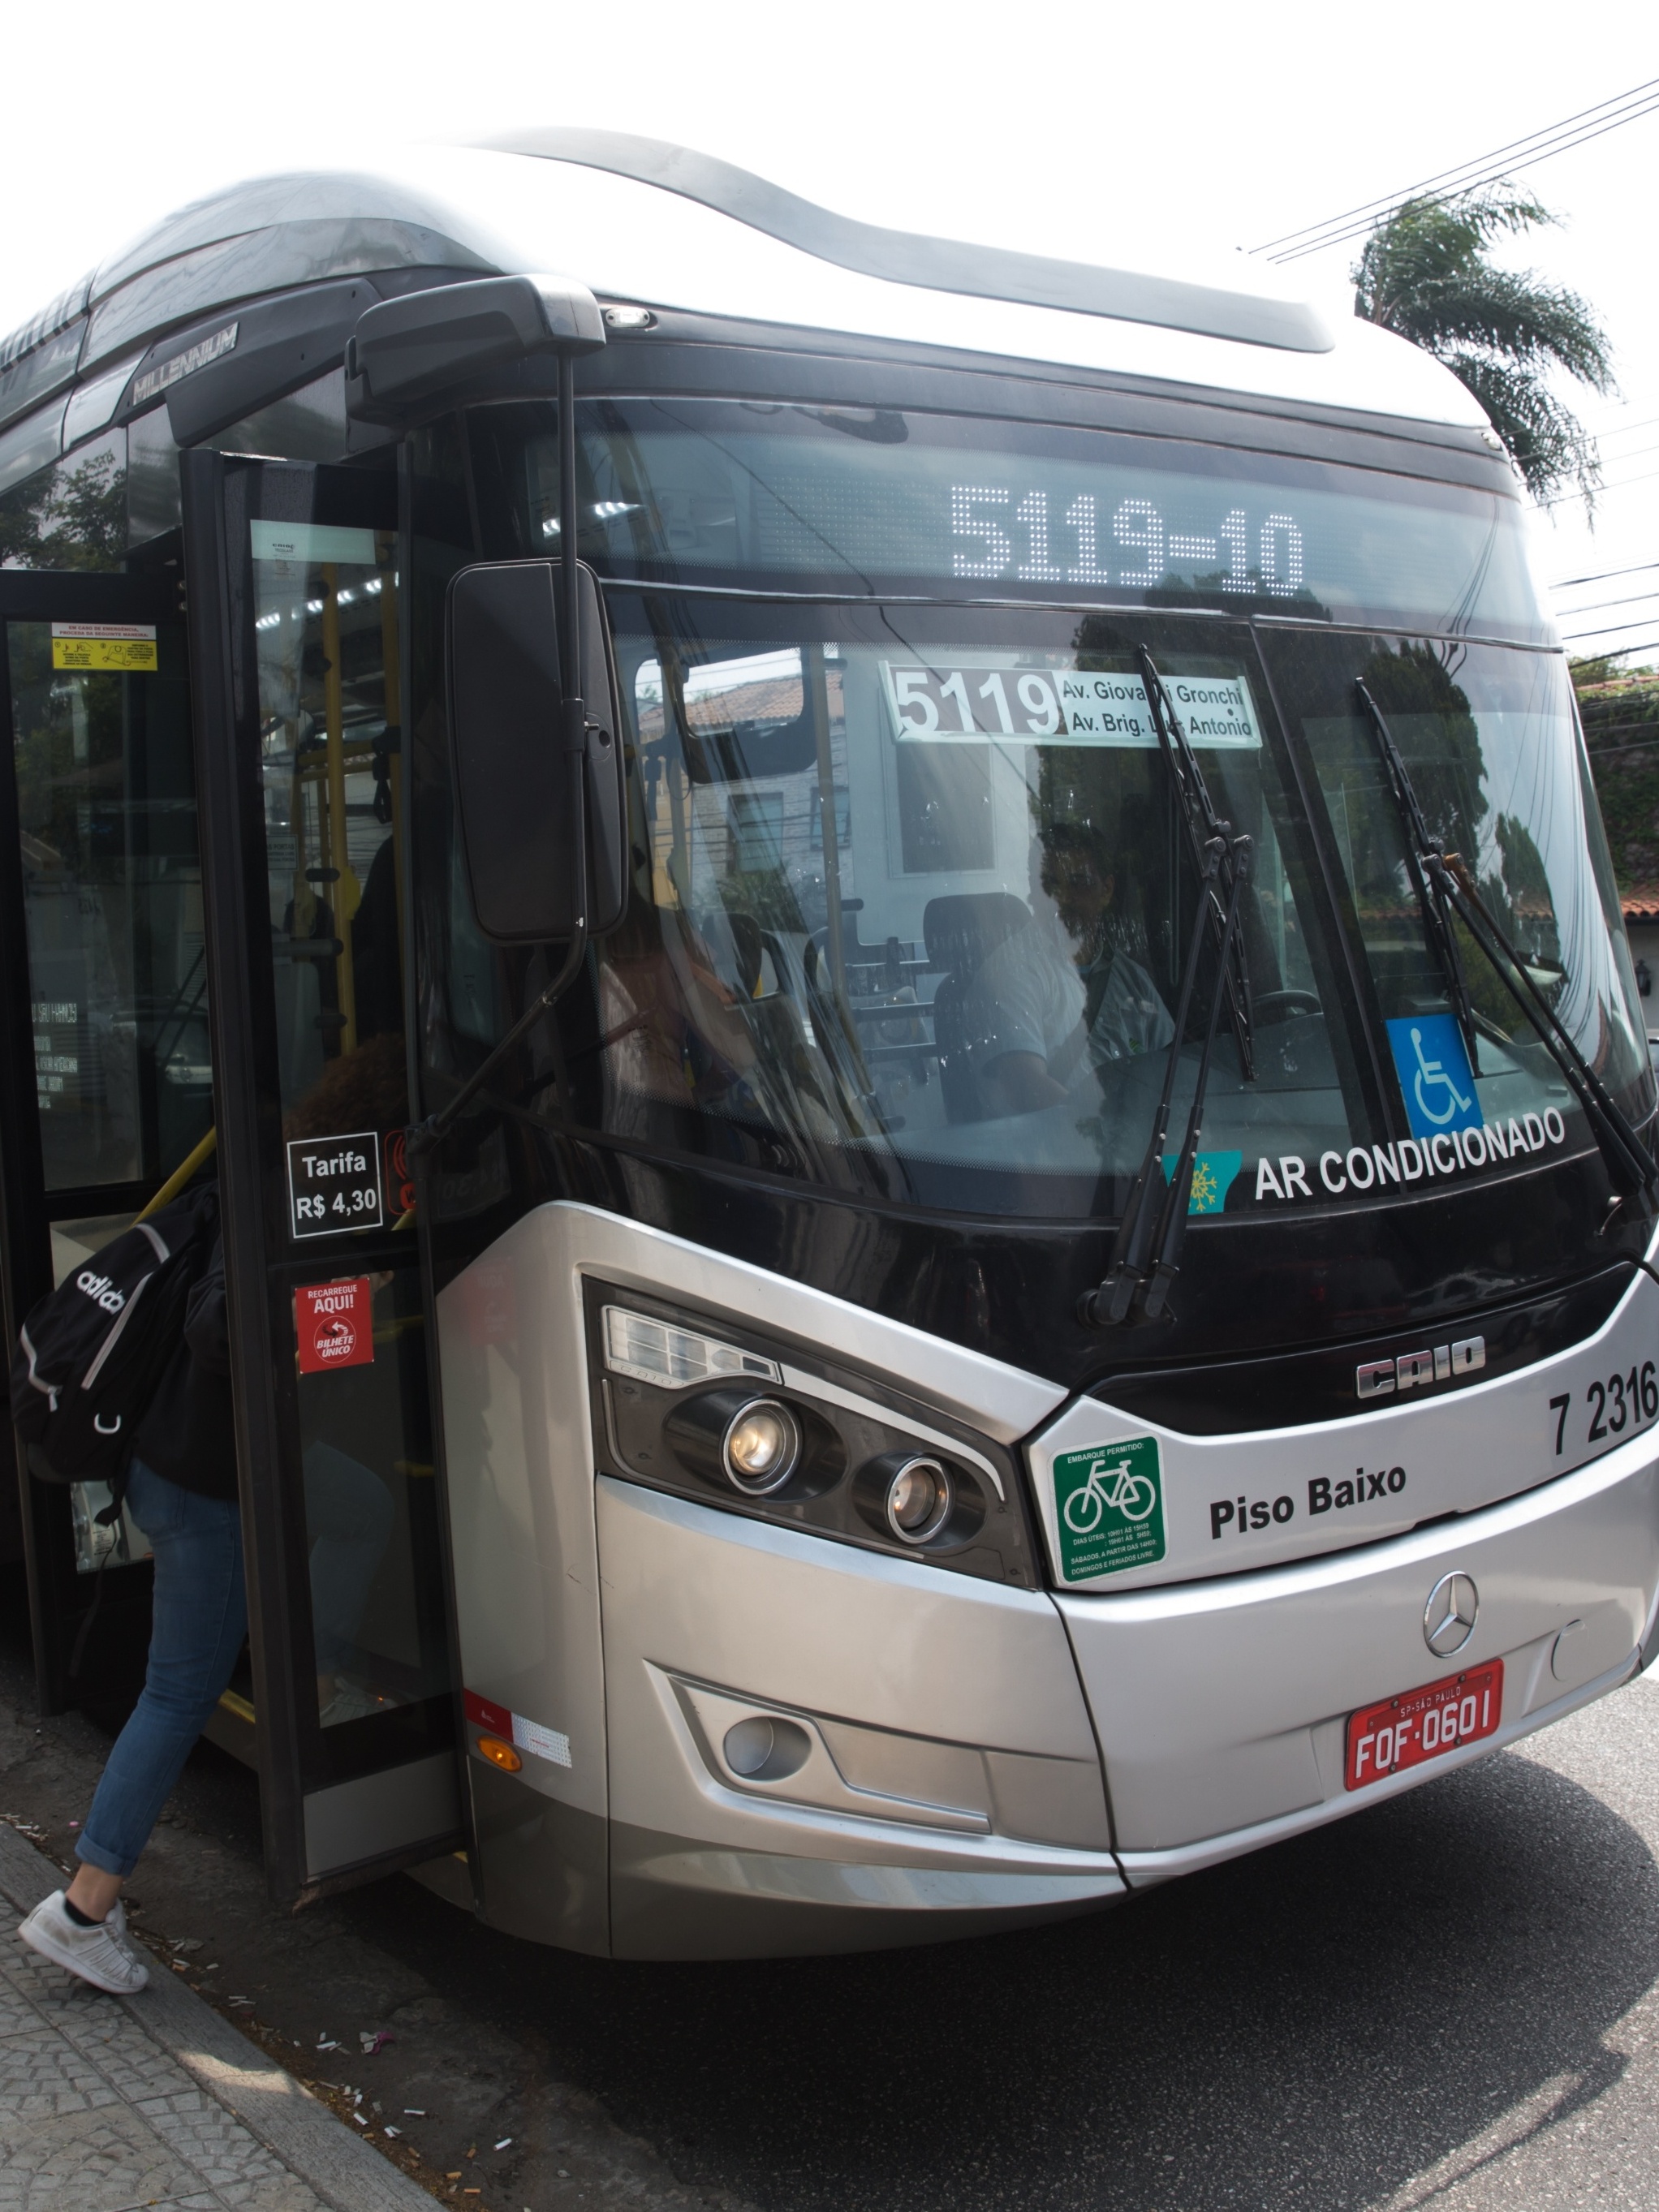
1621,710
1426,273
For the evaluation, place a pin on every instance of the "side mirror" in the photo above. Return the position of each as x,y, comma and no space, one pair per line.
406,351
511,778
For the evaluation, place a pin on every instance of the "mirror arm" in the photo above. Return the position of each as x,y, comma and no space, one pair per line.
569,616
425,1137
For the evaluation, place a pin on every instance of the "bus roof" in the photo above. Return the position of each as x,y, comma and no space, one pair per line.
640,222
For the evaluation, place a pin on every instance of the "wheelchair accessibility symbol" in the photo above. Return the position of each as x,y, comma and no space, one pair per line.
1435,1075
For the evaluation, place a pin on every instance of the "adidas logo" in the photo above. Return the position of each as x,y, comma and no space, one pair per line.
100,1291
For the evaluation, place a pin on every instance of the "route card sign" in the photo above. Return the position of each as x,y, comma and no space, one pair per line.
1109,1504
335,1324
334,1184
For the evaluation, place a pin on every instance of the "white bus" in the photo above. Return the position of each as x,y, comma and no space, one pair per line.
936,1167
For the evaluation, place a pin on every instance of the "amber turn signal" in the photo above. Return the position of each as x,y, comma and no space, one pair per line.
500,1754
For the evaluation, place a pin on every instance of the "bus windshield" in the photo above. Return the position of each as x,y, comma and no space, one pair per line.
914,893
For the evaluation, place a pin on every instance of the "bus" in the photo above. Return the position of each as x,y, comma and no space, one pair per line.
930,1107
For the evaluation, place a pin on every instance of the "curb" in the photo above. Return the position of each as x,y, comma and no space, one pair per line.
293,2124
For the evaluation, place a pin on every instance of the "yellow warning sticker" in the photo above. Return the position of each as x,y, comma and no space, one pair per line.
126,648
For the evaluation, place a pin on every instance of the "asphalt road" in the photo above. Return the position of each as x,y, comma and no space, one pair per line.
1447,2000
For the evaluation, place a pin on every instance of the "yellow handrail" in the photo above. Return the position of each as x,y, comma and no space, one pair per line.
180,1175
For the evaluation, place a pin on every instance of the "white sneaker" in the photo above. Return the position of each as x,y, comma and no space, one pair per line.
116,1921
95,1954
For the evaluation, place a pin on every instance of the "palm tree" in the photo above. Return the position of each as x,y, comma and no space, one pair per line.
1425,273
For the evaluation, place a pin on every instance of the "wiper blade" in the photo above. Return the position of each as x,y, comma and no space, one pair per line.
1146,1250
1204,825
1629,1165
1112,1302
1149,1236
1421,847
1172,1222
1452,886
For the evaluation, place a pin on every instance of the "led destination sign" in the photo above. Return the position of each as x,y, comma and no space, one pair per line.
1016,510
1130,543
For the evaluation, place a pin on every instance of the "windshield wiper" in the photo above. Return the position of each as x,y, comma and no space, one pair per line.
1204,825
1629,1165
1147,1251
1428,882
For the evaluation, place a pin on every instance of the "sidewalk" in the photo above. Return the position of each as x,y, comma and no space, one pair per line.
111,2103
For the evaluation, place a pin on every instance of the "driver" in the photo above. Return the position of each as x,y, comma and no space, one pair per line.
1058,996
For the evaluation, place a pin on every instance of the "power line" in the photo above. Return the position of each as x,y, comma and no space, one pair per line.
1604,576
1340,233
1538,146
1623,429
1598,607
1618,484
1619,653
1612,752
1606,629
1606,483
1635,453
1442,176
1632,600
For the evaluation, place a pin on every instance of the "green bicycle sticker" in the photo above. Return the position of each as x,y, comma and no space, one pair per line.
1109,1503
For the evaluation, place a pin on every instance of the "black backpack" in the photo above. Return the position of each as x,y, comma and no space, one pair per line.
89,1357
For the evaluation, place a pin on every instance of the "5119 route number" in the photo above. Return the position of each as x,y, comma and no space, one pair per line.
1623,1401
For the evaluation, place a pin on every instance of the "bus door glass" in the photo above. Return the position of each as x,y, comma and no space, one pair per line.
108,1086
350,1685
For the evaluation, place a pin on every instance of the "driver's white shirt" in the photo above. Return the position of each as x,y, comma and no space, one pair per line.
1029,996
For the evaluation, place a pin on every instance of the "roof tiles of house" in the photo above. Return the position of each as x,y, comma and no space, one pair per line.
1641,903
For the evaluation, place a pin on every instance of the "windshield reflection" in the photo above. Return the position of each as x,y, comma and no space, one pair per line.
914,897
1488,742
916,906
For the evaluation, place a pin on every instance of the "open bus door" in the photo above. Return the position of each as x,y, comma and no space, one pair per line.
104,1083
293,575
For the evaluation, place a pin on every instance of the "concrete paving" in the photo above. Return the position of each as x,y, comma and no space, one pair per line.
107,2103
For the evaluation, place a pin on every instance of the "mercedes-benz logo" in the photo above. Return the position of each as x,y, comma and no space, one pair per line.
1448,1617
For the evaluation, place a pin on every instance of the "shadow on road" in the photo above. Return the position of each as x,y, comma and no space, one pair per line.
1315,2025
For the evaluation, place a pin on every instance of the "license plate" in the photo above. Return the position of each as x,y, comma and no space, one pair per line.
1419,1725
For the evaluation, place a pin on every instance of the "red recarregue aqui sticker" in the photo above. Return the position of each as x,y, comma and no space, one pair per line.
335,1324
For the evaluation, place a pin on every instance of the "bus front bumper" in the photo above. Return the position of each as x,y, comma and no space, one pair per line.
1222,1706
812,1747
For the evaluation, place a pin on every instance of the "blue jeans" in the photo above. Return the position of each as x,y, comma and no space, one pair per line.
199,1621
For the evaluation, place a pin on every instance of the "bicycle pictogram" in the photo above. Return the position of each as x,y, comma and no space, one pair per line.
1134,1496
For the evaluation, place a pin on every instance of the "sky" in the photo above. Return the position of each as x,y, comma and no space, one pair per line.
1078,129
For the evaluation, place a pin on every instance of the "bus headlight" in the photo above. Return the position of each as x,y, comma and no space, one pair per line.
760,1448
706,1407
924,1500
755,1443
917,1502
